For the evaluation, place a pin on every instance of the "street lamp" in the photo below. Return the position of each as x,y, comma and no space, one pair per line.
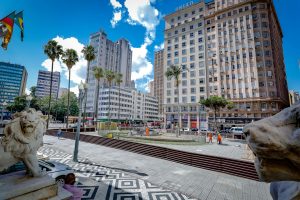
4,104
28,99
82,88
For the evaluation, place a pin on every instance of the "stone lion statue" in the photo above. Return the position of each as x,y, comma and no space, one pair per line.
275,141
23,136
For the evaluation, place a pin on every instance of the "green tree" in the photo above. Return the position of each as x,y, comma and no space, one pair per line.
109,76
89,55
216,103
33,91
60,107
34,101
119,80
174,72
70,58
18,105
98,74
53,50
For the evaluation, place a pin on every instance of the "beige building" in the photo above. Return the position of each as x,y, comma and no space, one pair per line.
158,84
151,88
235,48
294,97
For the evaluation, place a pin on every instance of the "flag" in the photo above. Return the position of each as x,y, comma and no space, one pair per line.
19,22
8,24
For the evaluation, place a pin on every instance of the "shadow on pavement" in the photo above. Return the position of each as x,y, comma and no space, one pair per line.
122,169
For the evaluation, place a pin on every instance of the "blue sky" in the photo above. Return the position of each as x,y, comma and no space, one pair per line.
141,22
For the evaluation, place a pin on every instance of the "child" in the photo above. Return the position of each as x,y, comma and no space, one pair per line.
69,185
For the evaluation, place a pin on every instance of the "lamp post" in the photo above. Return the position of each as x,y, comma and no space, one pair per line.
82,88
4,104
28,99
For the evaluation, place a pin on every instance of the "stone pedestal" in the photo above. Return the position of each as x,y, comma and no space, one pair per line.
17,186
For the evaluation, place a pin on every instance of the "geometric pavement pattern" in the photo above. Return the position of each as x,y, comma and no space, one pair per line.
118,184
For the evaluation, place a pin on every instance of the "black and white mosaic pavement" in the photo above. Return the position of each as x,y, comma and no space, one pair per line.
99,182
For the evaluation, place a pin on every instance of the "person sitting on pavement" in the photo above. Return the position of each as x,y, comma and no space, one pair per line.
69,185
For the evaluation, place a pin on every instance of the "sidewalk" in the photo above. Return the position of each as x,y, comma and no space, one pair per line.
193,182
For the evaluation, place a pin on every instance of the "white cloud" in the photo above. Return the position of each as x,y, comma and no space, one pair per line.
75,90
141,66
159,47
115,4
143,13
78,71
27,91
116,18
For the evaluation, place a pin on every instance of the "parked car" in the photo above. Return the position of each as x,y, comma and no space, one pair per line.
56,170
236,130
185,129
194,129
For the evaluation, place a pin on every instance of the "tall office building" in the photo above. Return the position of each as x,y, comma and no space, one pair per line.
294,97
159,80
185,46
43,84
233,48
115,56
151,87
13,78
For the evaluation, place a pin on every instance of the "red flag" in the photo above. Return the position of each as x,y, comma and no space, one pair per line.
7,28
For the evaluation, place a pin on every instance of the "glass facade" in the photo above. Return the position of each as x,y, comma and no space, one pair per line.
13,79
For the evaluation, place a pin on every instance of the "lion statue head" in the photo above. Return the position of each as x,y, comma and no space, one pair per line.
23,136
275,141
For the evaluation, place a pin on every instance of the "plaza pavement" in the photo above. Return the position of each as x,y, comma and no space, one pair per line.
190,181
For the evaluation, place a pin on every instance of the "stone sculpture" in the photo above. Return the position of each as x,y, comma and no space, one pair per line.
275,141
23,136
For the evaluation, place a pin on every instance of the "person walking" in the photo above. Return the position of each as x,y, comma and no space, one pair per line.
219,139
210,138
59,133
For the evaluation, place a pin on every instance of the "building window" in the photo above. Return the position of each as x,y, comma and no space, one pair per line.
192,82
193,90
193,98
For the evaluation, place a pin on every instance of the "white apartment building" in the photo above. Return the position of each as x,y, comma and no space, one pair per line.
134,105
115,56
231,48
185,46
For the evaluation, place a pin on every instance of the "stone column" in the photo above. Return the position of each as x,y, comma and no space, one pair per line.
180,120
165,120
189,120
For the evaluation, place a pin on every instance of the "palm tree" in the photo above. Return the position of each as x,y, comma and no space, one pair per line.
98,74
89,55
119,80
216,103
53,50
70,58
109,76
175,71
